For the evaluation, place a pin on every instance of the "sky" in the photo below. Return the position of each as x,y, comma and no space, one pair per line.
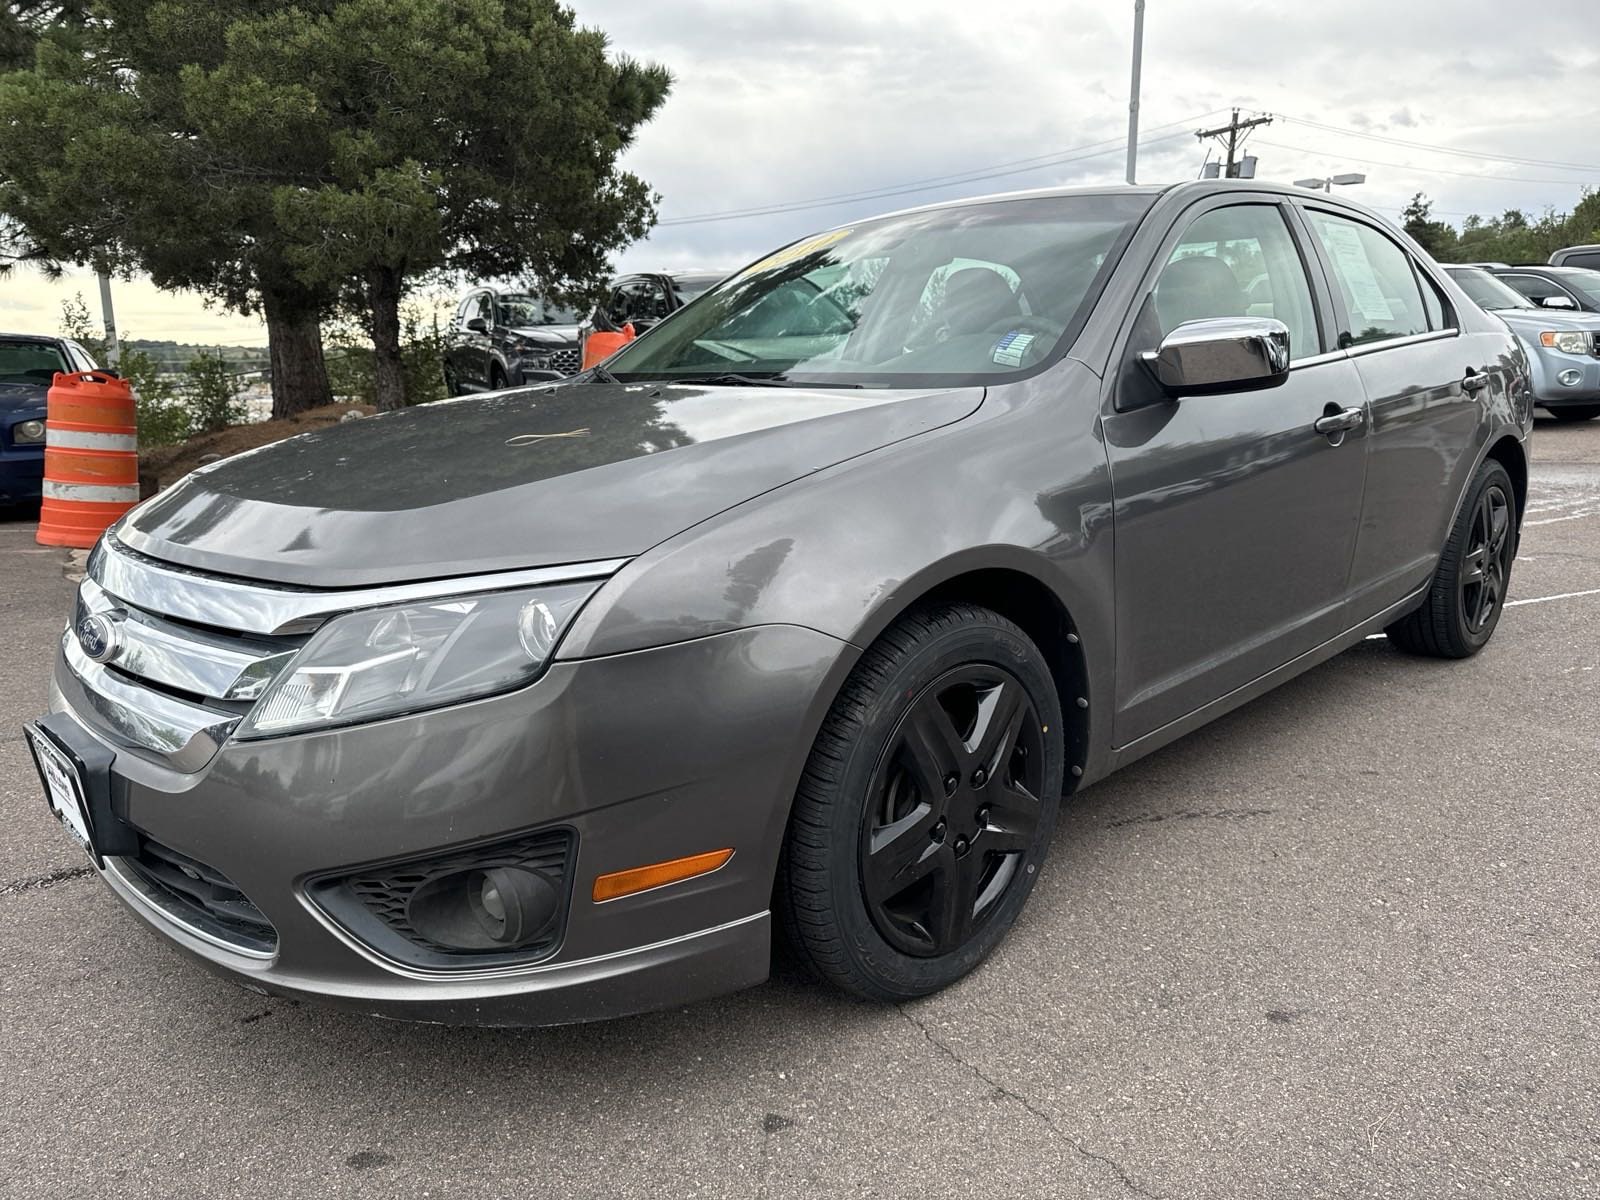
1482,105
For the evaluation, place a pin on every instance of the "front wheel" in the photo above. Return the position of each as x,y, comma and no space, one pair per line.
1468,593
926,807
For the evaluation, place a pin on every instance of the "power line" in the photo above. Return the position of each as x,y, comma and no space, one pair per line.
1394,141
1014,167
1378,162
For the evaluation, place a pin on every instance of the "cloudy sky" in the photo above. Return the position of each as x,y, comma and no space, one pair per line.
873,106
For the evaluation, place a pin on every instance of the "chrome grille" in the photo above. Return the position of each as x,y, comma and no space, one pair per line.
567,361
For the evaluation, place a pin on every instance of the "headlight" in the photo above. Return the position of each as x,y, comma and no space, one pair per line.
26,432
384,661
1568,341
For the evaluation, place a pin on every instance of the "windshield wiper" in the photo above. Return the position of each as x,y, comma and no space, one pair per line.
603,375
732,379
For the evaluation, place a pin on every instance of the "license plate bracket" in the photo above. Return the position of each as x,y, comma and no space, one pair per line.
75,771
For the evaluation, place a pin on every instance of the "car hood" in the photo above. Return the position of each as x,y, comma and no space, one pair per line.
547,335
15,397
527,478
1537,320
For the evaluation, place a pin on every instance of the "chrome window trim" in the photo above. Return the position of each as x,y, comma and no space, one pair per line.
1411,339
226,603
186,736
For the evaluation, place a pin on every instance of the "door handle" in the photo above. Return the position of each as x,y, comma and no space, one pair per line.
1474,381
1340,421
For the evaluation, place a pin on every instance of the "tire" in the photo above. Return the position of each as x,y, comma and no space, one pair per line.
497,379
897,822
1468,593
1575,412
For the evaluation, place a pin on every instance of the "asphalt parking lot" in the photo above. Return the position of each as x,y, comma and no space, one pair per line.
1341,943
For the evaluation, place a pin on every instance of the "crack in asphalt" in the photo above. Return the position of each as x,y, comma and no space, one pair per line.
1192,814
36,883
1033,1110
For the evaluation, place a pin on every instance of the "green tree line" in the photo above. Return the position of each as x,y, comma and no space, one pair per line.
1512,237
316,161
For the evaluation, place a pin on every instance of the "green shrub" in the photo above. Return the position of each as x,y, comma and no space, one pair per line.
208,388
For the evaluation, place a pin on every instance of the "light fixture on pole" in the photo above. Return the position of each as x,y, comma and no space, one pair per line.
1328,184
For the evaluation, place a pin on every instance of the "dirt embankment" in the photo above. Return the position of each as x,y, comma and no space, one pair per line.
163,466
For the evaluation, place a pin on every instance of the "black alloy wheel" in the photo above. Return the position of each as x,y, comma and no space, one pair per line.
926,806
952,808
1468,592
1481,582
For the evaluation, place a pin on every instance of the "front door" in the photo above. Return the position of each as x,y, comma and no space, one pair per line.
1234,519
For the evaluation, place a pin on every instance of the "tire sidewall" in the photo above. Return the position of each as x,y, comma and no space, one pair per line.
1489,475
1000,644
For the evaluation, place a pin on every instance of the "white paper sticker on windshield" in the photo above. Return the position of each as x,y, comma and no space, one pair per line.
1350,260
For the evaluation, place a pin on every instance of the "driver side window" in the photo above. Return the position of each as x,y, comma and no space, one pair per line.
1238,261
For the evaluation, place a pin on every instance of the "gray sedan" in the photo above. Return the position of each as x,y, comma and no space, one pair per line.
802,613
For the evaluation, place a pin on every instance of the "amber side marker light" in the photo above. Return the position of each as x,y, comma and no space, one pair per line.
642,879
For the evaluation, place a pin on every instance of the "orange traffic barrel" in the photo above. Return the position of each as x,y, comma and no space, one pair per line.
91,457
599,345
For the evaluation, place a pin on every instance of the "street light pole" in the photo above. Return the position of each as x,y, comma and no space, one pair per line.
1133,89
113,348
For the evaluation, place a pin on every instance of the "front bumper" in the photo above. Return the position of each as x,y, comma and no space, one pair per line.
1550,392
647,756
21,473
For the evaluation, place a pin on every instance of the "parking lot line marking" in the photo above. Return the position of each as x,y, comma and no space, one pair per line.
1547,599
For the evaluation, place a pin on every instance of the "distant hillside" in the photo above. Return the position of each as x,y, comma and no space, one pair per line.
175,356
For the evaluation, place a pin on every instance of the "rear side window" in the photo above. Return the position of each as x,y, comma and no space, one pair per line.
1433,300
1534,287
1238,261
1584,258
1375,278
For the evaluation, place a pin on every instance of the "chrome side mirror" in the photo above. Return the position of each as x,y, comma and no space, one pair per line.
1221,354
1565,302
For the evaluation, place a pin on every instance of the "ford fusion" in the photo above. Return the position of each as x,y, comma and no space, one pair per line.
804,611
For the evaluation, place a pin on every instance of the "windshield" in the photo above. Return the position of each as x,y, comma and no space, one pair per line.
950,296
524,310
30,362
1488,292
1581,279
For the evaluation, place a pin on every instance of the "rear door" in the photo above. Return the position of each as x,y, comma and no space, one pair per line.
1421,379
1235,519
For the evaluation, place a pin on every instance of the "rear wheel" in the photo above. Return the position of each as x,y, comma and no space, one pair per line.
926,806
1469,586
1576,412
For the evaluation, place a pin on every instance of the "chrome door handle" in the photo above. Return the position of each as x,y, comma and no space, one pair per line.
1342,421
1474,382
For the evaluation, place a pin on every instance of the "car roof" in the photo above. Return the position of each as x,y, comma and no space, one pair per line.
44,338
1189,187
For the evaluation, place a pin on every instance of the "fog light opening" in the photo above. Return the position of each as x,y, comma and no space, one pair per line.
1570,377
492,908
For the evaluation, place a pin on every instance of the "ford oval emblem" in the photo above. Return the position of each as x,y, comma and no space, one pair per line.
100,638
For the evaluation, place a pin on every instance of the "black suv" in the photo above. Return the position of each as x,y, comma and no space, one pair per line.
1571,288
504,338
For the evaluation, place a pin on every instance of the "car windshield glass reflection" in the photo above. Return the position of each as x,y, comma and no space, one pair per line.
1488,292
29,362
948,296
526,310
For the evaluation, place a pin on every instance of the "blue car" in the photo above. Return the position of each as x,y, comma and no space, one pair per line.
27,365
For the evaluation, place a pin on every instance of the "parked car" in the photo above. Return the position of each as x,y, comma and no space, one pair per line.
506,338
1573,289
1563,348
644,300
805,621
1577,256
28,362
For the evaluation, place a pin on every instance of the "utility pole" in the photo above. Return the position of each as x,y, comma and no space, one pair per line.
1232,136
113,348
1133,89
